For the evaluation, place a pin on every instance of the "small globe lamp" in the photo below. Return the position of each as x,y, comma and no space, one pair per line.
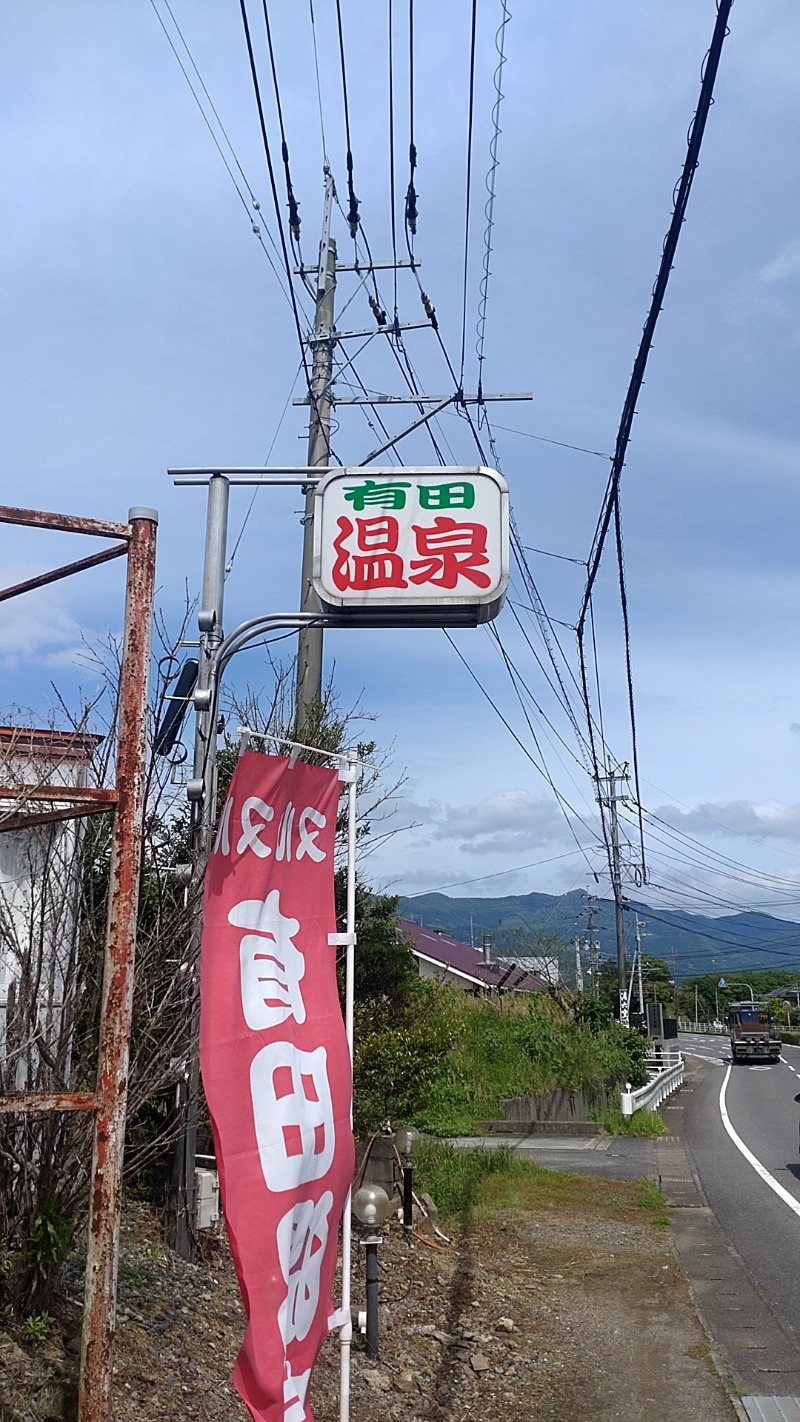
372,1208
407,1139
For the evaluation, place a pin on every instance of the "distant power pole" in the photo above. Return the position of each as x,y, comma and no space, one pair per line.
591,946
309,649
639,963
609,799
578,966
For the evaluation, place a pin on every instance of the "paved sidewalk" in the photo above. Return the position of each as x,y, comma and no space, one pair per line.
756,1357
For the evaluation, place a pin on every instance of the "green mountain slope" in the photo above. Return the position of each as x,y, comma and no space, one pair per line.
692,942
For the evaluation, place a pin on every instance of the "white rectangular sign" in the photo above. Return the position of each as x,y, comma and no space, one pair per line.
417,544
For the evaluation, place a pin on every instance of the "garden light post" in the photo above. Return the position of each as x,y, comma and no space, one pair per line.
407,1139
372,1207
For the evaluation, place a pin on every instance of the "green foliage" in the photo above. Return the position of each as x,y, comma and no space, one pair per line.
401,1046
384,965
454,1059
457,1179
36,1327
641,1123
39,1253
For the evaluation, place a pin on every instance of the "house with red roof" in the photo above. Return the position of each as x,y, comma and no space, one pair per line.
448,961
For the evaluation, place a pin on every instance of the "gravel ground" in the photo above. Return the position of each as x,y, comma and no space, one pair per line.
564,1313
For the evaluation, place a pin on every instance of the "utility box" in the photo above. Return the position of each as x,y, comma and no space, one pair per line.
206,1195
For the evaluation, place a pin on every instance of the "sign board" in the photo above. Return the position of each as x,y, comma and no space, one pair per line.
276,1067
415,546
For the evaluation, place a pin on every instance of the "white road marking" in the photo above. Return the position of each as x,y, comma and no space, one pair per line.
690,1052
748,1154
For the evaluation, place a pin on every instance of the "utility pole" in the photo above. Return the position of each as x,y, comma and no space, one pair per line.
202,792
609,799
639,961
591,946
309,646
578,966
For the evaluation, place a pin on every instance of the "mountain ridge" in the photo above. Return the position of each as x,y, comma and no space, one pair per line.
692,943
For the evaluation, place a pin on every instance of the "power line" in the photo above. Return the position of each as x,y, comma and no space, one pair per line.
681,200
275,199
254,205
291,201
499,42
411,212
352,215
470,116
563,803
319,86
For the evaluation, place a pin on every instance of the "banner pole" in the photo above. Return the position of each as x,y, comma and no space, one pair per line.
346,1330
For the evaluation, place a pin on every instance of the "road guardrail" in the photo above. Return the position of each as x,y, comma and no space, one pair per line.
665,1075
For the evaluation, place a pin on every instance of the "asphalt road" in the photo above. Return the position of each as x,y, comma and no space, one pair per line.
730,1167
752,1183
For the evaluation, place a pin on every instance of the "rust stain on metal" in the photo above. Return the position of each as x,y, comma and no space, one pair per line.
61,794
117,1004
39,1101
64,523
49,817
65,571
109,1100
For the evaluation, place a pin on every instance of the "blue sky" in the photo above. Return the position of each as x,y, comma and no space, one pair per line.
143,327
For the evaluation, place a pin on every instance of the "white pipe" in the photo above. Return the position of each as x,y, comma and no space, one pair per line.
346,1330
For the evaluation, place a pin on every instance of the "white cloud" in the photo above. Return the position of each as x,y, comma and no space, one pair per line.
783,267
772,819
508,822
36,626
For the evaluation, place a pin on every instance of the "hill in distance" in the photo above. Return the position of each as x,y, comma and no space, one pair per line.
692,943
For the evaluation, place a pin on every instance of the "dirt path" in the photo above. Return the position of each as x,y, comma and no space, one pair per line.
572,1311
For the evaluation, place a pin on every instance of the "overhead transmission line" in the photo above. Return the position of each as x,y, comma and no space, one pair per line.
276,202
499,43
291,201
542,770
352,214
254,205
470,118
611,503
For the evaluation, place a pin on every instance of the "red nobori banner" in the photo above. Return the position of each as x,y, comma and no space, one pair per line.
276,1068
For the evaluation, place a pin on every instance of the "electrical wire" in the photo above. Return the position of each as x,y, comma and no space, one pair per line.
564,804
411,211
499,43
276,201
470,118
319,86
254,205
352,215
391,158
291,201
681,200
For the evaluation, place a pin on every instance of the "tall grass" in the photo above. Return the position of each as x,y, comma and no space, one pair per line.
518,1047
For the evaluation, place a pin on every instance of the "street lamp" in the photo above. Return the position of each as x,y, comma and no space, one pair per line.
372,1207
738,983
407,1139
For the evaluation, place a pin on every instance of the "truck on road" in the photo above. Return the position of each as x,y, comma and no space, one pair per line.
753,1037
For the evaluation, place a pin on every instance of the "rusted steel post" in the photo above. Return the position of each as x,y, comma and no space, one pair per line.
117,1002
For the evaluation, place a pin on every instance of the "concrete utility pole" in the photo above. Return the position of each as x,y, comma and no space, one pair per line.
309,647
609,799
591,947
578,966
202,792
639,962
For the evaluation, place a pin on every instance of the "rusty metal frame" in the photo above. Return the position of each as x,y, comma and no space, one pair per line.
109,1100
